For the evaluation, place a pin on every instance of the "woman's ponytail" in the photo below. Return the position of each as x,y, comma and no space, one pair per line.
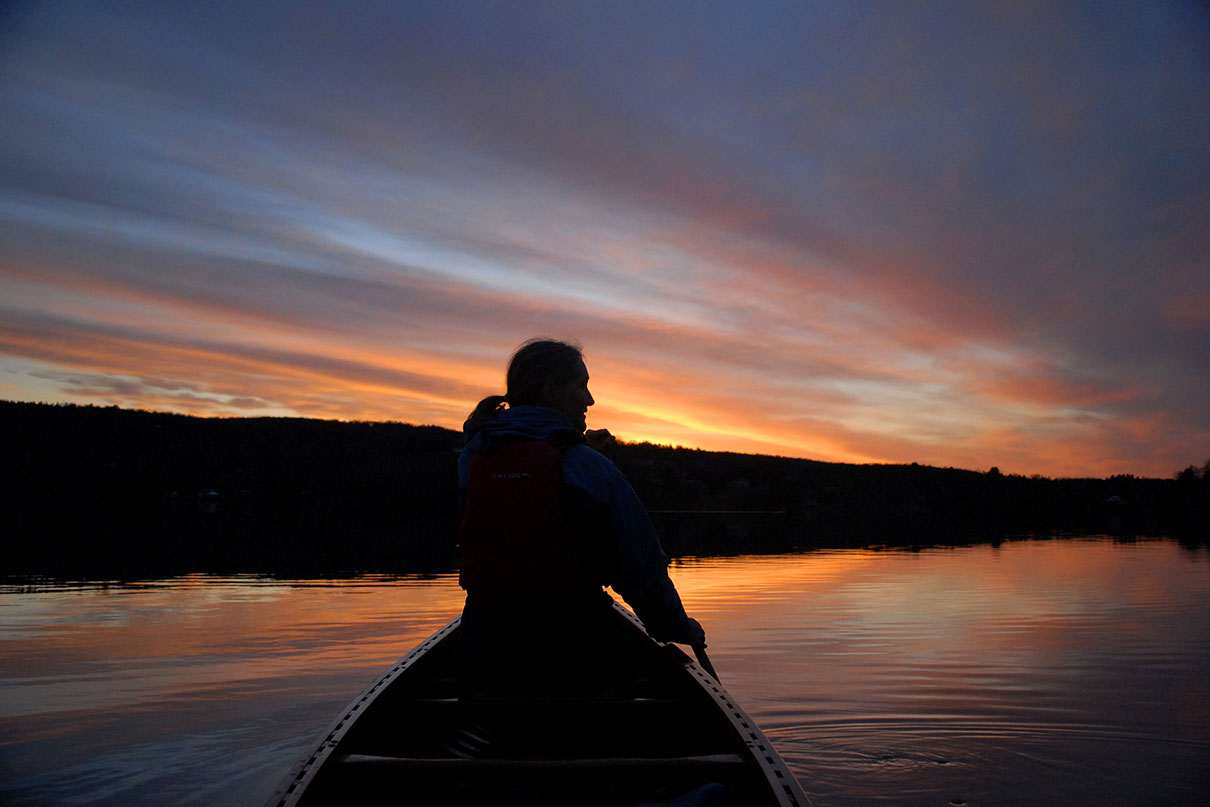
484,413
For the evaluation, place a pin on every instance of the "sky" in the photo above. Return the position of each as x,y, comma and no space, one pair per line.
959,234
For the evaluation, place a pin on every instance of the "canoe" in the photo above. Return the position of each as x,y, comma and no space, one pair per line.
672,737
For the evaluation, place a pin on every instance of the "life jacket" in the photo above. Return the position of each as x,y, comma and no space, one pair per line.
516,539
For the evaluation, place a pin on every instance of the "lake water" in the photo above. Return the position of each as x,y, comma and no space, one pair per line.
1073,672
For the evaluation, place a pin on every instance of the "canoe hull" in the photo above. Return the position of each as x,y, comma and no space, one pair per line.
411,738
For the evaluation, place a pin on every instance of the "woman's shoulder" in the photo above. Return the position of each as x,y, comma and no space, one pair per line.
588,468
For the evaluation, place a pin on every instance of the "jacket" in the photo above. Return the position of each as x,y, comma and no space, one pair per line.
616,535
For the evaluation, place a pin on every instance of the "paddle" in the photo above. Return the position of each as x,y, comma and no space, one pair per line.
699,650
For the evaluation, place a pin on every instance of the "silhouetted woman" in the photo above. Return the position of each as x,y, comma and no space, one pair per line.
548,522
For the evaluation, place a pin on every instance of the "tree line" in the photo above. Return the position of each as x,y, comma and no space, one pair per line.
107,492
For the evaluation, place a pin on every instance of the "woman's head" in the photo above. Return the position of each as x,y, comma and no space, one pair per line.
543,372
547,372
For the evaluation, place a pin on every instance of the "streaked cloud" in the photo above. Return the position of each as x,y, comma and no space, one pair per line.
964,235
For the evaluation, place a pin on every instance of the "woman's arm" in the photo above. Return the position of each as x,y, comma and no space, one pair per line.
640,566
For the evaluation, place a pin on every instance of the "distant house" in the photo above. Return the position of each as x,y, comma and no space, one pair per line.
207,501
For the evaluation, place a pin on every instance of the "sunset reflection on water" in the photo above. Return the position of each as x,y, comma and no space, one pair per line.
94,646
1068,669
1033,671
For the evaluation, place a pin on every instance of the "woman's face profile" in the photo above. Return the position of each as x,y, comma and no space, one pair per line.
572,398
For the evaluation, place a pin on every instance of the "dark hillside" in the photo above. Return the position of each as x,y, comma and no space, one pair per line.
773,503
95,492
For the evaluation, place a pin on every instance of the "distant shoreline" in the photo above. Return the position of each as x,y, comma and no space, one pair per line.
107,491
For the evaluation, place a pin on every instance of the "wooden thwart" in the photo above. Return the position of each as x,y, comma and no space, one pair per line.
449,764
537,702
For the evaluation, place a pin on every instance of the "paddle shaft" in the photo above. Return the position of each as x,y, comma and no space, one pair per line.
699,650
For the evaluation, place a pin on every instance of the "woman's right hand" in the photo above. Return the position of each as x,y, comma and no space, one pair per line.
600,440
691,633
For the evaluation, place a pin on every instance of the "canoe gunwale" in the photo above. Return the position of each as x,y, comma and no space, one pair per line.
781,781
